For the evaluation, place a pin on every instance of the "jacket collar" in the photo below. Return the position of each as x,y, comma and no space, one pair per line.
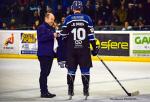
47,25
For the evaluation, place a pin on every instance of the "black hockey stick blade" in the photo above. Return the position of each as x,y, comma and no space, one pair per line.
129,94
134,93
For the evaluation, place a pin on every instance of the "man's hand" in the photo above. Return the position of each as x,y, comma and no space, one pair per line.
55,35
62,64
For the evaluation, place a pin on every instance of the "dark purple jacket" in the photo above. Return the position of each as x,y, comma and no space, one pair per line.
45,40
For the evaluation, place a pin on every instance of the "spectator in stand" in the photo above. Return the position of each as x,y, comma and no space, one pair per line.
114,17
112,26
5,26
59,13
32,7
12,25
116,4
135,25
142,25
1,24
122,13
97,5
68,12
100,24
36,20
132,10
103,11
42,7
126,26
23,2
22,16
36,24
89,9
147,14
141,11
23,10
61,23
13,11
109,9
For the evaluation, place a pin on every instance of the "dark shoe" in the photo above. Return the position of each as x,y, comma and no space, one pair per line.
70,90
70,93
47,95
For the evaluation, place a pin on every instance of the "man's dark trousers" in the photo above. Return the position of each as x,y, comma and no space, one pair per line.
45,65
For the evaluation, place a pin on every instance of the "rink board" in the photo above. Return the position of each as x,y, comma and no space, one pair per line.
106,58
114,45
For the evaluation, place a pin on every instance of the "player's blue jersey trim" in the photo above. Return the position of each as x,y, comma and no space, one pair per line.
78,17
76,20
91,37
64,26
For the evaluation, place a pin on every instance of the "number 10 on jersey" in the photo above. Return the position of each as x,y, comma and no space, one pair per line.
79,33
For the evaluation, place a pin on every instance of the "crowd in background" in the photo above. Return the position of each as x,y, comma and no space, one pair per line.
106,14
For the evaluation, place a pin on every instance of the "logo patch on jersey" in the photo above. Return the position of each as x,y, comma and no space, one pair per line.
78,44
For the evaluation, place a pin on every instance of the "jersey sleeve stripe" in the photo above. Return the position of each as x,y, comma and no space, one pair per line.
90,34
64,26
76,20
63,34
90,26
91,39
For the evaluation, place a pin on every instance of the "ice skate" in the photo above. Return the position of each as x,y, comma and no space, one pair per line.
85,80
70,93
86,93
70,81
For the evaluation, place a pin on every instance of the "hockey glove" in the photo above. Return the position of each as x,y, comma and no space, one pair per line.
95,48
62,64
95,51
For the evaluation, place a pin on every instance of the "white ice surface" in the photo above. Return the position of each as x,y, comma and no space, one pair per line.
19,82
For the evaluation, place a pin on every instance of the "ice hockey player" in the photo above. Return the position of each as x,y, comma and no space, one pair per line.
78,33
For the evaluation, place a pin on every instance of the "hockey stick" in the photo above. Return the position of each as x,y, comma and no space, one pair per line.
129,94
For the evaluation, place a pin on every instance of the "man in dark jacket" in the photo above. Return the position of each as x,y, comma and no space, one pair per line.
46,35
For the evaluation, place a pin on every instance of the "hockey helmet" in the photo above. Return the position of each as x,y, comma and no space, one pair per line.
77,5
